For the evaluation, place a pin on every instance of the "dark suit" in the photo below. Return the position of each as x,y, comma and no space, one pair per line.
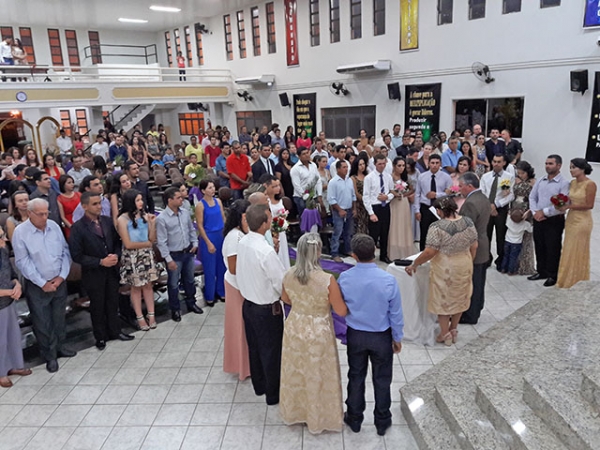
259,169
101,283
477,207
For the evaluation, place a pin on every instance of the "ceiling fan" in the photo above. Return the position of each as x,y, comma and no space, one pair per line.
482,72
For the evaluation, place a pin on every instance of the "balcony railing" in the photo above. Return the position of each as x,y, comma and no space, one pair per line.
113,53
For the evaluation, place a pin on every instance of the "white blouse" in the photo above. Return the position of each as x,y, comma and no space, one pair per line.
230,248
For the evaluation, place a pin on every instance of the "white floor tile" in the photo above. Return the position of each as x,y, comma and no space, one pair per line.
32,416
164,438
90,438
242,438
103,416
50,438
14,438
203,438
211,414
278,437
138,415
248,414
126,438
170,415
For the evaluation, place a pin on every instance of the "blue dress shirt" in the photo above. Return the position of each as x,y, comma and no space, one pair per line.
373,299
449,158
221,166
341,192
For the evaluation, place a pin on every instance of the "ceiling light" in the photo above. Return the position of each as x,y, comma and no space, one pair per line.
122,19
165,9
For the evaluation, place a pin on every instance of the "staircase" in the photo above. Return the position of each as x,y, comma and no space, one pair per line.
532,382
128,116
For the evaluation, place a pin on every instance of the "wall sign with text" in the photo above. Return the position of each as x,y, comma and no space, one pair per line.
291,33
592,13
409,24
305,113
422,108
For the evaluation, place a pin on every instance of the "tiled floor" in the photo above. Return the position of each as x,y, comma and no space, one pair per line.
166,390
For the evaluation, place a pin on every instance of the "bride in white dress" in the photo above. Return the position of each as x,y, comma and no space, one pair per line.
272,191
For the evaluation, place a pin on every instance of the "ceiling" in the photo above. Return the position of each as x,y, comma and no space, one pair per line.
103,14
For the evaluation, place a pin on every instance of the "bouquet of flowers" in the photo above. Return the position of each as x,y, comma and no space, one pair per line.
279,224
310,194
505,185
197,174
559,200
454,190
401,187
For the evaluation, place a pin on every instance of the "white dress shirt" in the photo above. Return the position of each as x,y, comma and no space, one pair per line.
333,170
267,165
503,197
372,188
64,144
100,149
303,176
259,271
230,248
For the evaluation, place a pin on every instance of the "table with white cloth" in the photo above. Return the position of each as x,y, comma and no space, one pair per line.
419,324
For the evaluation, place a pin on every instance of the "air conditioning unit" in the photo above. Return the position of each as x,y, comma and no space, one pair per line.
380,65
261,79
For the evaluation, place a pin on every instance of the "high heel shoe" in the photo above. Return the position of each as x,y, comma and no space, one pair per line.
454,335
142,324
151,321
446,339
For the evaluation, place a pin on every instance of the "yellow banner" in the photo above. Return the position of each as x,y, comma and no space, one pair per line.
409,24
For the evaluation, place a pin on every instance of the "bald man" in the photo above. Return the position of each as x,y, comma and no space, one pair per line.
259,198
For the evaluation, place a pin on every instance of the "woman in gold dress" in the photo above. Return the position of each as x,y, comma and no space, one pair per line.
575,260
311,388
451,245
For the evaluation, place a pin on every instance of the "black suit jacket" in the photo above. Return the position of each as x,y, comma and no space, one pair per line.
259,169
87,248
478,208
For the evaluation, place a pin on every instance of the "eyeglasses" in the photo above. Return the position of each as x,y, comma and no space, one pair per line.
41,214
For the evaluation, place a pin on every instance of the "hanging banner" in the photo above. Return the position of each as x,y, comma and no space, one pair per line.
592,153
291,33
422,108
409,24
305,113
592,13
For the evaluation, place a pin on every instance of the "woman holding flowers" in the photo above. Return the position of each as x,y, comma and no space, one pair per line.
400,241
279,224
575,259
463,166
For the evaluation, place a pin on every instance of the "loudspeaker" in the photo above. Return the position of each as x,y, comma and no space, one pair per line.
579,81
284,99
193,106
394,91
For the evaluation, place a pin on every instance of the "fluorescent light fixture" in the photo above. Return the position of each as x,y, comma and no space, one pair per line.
165,9
123,19
262,79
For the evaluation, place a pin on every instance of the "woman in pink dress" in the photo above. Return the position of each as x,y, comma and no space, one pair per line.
303,140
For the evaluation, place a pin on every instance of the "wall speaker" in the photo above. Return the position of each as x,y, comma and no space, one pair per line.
579,81
284,99
394,91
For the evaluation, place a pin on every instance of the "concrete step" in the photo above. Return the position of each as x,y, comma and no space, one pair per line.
470,426
556,398
430,430
514,420
590,386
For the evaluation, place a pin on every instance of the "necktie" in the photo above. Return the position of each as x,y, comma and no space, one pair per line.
268,167
433,185
382,187
494,188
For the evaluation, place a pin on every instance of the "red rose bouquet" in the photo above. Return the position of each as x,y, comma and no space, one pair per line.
559,200
279,223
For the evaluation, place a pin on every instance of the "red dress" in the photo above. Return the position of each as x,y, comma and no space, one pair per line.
55,175
69,205
303,142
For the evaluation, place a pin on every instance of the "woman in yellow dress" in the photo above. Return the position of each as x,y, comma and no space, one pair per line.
575,260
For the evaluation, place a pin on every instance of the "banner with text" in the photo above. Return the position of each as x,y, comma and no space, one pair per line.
592,153
305,113
422,108
291,33
409,24
592,14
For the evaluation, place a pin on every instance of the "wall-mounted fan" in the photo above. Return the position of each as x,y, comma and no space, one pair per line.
338,89
482,72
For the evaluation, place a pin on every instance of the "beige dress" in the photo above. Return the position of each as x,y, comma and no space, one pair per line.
400,241
311,388
450,280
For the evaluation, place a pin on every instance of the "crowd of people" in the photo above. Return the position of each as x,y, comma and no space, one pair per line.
449,195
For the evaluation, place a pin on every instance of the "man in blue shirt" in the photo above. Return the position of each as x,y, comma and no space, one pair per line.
375,325
342,201
118,148
221,166
451,155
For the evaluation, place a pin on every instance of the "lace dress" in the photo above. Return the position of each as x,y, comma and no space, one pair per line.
311,388
361,220
527,256
480,168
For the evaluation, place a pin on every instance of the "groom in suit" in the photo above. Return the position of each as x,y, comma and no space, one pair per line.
264,164
477,207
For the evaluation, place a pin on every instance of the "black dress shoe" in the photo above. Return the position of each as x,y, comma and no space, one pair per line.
100,345
125,337
385,260
195,309
66,353
354,426
176,316
534,277
550,282
381,429
210,304
467,321
52,366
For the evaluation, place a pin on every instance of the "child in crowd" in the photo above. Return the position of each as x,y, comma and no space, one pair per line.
169,158
517,224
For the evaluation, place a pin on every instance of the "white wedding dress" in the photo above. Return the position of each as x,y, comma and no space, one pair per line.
284,254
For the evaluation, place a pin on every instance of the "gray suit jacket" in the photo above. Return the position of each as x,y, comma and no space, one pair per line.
477,207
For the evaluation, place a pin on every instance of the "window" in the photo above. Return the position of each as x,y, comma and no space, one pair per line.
334,21
241,34
315,27
341,122
355,19
169,49
65,121
378,17
271,27
228,37
72,48
253,119
190,123
25,34
6,32
255,31
549,3
511,6
82,123
199,49
177,41
491,113
188,46
444,11
55,49
476,9
95,48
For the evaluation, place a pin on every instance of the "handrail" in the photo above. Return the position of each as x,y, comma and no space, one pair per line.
120,123
101,54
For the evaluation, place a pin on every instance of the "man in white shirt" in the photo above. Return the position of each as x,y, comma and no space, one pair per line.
100,148
340,153
6,52
389,165
377,195
318,149
497,185
78,172
305,174
379,141
64,143
350,145
259,275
